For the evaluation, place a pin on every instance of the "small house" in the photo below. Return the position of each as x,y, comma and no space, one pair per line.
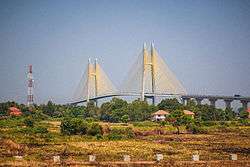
248,111
14,111
188,113
160,115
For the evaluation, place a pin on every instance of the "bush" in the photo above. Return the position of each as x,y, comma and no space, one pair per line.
114,136
195,129
89,119
244,122
40,130
94,129
73,126
164,123
224,123
98,137
210,123
125,118
29,122
117,134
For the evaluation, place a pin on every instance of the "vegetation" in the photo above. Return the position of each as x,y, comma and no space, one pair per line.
118,127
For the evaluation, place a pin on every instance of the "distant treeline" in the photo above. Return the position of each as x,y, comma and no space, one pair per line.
118,110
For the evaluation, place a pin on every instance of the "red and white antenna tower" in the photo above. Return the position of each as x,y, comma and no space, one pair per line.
30,97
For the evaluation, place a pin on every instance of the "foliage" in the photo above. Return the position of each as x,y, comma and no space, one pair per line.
29,122
170,104
163,123
4,107
243,113
195,129
94,129
49,109
244,122
177,118
209,113
114,110
121,133
140,110
125,118
73,126
91,110
75,111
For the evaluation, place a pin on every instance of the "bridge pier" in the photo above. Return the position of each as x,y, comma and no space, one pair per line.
198,100
212,101
152,98
96,102
185,100
228,103
244,104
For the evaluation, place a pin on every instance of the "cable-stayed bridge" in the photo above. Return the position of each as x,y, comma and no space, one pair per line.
149,77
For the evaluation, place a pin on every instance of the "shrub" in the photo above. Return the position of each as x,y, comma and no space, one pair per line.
117,134
195,129
94,129
224,123
29,122
244,122
210,123
73,126
125,118
114,136
89,119
40,129
98,137
163,123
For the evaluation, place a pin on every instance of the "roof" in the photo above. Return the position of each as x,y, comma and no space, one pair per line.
248,110
15,111
187,112
161,112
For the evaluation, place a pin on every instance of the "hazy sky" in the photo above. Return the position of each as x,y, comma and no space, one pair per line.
205,43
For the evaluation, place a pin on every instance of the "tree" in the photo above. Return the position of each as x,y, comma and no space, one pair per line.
243,113
91,110
113,111
140,110
170,104
229,114
125,118
49,109
105,111
72,126
94,129
177,118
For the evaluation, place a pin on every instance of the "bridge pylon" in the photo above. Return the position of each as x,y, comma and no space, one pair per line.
94,83
151,76
148,61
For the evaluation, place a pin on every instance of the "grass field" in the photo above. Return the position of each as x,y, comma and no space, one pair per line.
216,144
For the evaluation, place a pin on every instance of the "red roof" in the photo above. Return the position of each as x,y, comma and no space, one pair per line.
187,112
15,111
161,112
248,110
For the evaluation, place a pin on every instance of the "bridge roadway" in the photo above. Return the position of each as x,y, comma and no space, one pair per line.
185,98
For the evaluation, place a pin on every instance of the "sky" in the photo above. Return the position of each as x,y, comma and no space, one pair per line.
205,43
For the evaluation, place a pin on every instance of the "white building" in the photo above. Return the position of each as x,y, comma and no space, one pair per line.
160,115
